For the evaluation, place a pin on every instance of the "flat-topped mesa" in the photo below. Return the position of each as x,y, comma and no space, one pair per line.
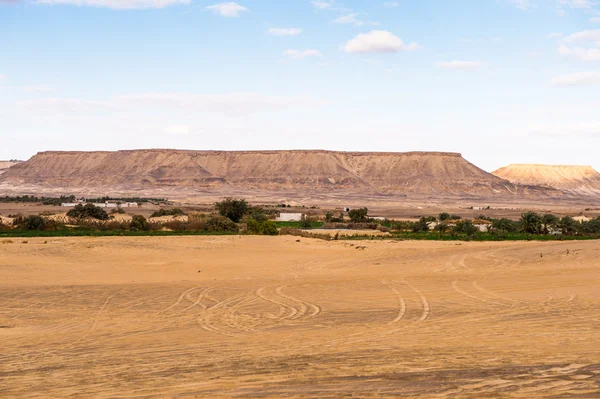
440,173
572,178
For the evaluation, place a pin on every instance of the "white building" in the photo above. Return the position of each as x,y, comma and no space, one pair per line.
290,217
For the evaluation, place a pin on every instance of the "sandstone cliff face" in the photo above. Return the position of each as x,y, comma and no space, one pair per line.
575,179
414,172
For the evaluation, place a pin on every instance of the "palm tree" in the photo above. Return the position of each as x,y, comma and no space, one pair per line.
531,222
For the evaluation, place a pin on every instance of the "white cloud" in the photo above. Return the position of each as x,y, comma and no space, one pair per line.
583,54
377,41
460,65
349,19
299,54
177,130
118,4
391,4
228,10
323,4
595,20
577,79
584,36
285,31
2,76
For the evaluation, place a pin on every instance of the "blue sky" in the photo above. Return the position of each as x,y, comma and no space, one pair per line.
501,81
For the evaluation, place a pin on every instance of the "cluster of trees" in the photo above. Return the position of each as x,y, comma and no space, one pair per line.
254,218
55,201
88,211
139,200
529,223
168,212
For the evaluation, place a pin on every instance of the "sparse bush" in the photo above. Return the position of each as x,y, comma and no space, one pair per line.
221,224
269,228
32,222
138,223
117,210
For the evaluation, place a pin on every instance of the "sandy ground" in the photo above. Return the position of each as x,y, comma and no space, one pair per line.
272,317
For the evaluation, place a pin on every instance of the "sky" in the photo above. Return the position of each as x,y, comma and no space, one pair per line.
500,81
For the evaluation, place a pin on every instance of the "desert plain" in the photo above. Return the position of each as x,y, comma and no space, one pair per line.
250,316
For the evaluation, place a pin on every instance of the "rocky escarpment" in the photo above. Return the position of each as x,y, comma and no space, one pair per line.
427,173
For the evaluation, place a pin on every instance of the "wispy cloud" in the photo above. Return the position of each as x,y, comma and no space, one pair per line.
115,4
377,41
460,65
323,4
583,54
228,10
285,31
577,79
391,4
523,4
349,19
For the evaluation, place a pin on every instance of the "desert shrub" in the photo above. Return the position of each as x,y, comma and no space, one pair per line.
233,209
138,223
221,224
32,222
115,225
117,210
88,210
175,225
384,229
328,217
196,225
269,228
167,212
253,226
307,223
358,215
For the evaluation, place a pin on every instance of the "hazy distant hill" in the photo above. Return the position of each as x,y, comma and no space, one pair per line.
4,165
575,179
426,173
